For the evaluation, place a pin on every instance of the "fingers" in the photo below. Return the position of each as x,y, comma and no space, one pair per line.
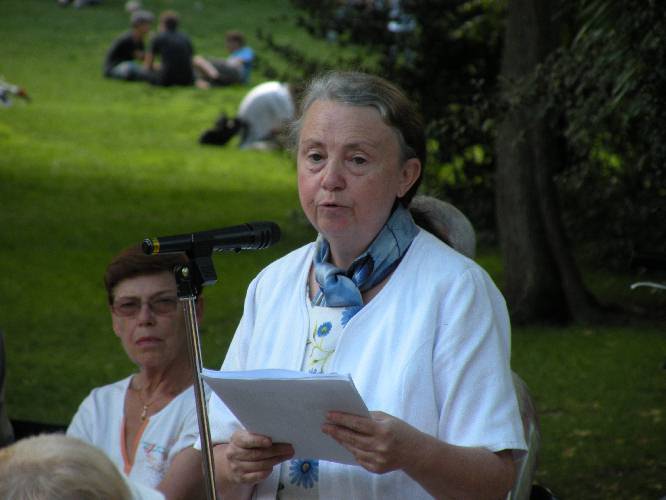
361,432
375,442
369,452
251,457
277,452
244,439
250,471
353,441
362,425
255,447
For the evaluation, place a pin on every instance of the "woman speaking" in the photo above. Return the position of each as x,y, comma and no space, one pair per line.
422,329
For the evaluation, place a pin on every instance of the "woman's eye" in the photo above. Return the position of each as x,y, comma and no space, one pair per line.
358,160
315,157
126,308
166,302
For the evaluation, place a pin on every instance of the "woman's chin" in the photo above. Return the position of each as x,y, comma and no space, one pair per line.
335,232
150,360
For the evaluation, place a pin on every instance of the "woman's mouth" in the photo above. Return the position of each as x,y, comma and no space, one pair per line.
145,341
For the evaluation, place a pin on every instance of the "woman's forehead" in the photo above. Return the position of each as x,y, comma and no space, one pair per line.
146,284
328,119
328,108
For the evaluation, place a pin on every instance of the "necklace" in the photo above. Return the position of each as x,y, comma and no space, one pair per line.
146,404
144,412
169,395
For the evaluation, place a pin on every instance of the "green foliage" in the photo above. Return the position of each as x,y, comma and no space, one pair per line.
605,89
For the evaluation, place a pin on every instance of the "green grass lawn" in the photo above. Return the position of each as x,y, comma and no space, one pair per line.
92,165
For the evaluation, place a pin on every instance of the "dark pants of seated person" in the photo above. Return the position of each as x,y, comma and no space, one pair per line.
130,71
228,74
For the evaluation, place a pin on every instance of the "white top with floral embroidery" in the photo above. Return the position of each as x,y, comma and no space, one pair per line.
431,348
299,479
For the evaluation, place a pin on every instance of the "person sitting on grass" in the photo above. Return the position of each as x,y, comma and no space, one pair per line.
234,69
147,422
174,50
124,60
262,118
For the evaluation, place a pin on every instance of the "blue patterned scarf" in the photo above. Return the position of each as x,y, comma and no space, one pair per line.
338,288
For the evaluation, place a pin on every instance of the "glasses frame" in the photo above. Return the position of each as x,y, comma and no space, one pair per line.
169,305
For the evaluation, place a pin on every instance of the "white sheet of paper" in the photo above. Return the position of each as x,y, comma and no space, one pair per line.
289,406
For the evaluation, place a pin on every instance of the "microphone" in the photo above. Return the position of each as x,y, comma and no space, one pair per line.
249,236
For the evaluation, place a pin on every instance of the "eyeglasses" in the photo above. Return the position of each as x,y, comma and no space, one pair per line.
132,307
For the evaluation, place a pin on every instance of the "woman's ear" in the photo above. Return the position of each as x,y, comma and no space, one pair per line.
410,172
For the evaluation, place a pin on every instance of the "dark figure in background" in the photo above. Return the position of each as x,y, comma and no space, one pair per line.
124,60
174,49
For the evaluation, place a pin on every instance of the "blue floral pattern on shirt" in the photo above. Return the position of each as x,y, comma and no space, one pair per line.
304,473
320,347
324,329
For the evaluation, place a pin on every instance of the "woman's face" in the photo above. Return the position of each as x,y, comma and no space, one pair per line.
349,174
149,321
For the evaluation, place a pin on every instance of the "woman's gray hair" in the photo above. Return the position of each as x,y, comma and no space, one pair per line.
362,89
59,467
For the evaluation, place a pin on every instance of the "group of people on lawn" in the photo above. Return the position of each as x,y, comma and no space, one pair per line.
170,58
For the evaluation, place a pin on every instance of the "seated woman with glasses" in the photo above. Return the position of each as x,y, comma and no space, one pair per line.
147,422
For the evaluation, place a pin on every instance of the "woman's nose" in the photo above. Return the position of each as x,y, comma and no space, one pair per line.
146,314
333,175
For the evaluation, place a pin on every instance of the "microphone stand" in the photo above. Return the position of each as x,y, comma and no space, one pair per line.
190,277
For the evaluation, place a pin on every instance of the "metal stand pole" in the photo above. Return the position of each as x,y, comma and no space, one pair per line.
187,296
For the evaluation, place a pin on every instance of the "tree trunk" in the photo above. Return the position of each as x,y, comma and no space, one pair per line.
541,278
531,280
548,153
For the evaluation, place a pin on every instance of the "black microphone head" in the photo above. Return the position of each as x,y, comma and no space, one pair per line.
268,233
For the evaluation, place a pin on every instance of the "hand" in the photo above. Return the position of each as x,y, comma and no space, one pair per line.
249,458
380,443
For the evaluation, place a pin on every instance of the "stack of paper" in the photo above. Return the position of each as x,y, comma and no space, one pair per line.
289,406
